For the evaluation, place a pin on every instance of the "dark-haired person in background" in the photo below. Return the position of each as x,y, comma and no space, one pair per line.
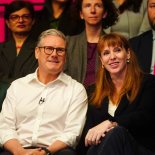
144,44
81,61
17,57
58,14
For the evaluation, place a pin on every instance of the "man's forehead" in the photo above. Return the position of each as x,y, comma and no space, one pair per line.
52,40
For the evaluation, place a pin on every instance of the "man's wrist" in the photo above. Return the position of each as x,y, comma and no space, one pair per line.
48,152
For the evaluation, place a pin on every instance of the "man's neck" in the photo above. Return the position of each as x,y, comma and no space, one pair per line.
46,78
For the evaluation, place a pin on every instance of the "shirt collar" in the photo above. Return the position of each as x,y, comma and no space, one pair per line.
62,78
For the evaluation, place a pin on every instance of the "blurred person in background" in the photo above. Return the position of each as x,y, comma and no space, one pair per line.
17,57
58,14
82,56
132,18
144,44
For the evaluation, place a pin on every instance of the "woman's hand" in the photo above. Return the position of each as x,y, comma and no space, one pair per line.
94,134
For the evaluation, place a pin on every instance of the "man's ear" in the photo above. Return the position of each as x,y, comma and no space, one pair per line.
36,52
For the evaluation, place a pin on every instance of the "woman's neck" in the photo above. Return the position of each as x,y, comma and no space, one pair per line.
93,33
118,80
19,40
120,2
58,9
118,84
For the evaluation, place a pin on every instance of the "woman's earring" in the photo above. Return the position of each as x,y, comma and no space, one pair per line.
102,66
127,61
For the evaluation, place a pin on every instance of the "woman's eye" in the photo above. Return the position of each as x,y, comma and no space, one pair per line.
152,5
105,53
99,5
86,5
117,49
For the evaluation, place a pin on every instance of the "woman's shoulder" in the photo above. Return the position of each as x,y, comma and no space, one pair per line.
7,44
76,37
76,42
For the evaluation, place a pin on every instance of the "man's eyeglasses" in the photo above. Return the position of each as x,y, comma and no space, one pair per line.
49,50
25,17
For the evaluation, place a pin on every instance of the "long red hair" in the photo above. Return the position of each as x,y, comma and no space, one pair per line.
104,85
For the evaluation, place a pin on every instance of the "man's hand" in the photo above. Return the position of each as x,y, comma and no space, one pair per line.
38,151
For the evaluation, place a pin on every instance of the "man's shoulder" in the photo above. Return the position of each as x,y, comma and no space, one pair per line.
68,78
149,78
72,82
23,80
148,83
142,41
141,37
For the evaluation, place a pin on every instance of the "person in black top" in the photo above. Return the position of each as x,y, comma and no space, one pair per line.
58,14
17,57
120,117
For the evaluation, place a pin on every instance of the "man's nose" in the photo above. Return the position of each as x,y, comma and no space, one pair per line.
54,52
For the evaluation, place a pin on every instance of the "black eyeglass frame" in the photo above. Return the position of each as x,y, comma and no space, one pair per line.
60,51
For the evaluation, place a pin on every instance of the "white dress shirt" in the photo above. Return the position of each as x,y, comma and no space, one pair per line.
38,114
